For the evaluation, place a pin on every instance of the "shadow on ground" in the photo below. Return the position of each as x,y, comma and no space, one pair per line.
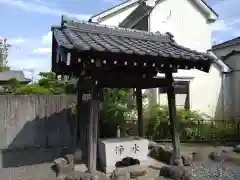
40,140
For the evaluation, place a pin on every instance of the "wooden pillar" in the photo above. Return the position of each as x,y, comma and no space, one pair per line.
77,125
80,129
94,105
173,117
140,112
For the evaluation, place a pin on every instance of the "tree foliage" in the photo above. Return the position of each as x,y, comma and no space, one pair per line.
48,84
158,125
11,85
4,68
51,83
32,89
118,105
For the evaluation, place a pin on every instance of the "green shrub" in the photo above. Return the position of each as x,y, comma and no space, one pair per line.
118,106
190,123
4,68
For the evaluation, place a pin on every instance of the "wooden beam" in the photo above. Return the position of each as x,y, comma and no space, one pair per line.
139,112
123,82
130,82
173,118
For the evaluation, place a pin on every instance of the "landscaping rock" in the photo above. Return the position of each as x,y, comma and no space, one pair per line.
120,174
159,147
175,173
64,173
151,145
187,160
219,156
215,156
165,155
70,160
134,171
137,173
237,149
226,148
60,163
63,169
80,168
176,162
128,161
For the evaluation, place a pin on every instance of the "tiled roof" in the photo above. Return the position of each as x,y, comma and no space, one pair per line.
234,52
10,74
227,43
98,38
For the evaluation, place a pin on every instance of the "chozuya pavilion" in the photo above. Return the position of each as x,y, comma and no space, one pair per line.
111,57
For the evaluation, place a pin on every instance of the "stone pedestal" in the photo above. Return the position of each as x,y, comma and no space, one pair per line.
113,150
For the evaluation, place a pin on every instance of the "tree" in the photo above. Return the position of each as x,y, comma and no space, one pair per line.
118,103
32,89
4,47
48,84
4,68
49,81
11,85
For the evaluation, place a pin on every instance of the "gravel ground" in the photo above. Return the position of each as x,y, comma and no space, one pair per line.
33,172
205,170
209,170
214,171
31,164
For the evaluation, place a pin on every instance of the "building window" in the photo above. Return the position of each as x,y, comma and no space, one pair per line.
181,89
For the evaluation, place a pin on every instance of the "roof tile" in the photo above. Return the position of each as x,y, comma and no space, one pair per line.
89,36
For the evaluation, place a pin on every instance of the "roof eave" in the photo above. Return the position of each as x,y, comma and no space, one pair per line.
228,43
212,15
223,67
101,16
140,12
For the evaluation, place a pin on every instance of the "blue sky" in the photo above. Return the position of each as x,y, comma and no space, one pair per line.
26,24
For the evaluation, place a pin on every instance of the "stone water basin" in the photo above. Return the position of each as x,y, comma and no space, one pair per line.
115,149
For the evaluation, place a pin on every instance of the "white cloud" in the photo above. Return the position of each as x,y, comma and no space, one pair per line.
220,25
47,39
228,15
30,63
42,51
31,66
45,47
113,1
236,33
40,8
228,25
16,41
